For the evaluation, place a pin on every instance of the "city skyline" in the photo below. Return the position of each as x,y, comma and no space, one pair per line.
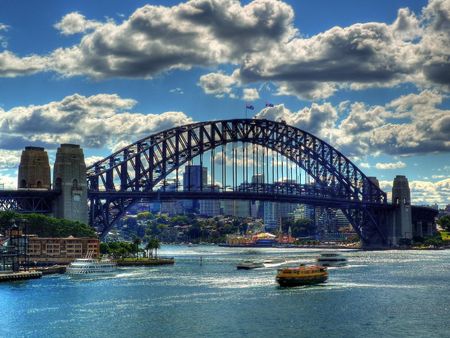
372,79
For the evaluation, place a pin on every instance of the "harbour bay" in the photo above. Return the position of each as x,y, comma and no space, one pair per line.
380,293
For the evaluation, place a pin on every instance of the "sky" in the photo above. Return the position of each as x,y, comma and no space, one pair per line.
370,77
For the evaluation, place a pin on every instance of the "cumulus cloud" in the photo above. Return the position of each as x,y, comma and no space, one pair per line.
410,124
411,49
261,40
218,84
96,121
250,94
9,159
425,192
155,39
74,23
90,160
390,165
12,65
317,119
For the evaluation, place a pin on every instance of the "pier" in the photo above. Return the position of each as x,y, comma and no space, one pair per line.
9,276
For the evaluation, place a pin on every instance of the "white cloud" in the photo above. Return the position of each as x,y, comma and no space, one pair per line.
74,23
250,94
390,165
177,91
96,121
261,40
9,159
365,165
3,41
8,182
425,192
92,159
12,65
317,119
218,84
411,124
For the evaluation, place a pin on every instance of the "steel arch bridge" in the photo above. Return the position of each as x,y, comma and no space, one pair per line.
140,171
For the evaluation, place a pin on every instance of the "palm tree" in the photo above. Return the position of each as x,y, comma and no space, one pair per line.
136,242
153,244
156,246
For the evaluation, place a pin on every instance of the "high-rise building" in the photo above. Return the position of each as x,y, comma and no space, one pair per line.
195,177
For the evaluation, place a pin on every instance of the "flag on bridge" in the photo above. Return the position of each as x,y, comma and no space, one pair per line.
269,104
249,106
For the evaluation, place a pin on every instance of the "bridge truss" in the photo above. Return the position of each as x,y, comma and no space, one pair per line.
292,165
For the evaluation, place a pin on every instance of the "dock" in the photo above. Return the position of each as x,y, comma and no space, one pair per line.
20,275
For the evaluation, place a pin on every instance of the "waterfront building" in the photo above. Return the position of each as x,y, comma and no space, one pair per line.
64,250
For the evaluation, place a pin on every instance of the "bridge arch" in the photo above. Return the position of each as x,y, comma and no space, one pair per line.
138,168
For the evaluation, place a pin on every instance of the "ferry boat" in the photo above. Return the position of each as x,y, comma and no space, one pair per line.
248,265
302,275
89,265
331,259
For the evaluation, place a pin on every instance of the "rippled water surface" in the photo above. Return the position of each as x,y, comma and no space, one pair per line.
379,294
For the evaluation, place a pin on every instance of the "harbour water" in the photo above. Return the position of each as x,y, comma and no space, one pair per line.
379,294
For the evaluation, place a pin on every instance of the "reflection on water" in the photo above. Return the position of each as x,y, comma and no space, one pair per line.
377,294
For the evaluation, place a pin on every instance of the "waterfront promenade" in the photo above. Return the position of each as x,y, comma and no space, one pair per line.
379,294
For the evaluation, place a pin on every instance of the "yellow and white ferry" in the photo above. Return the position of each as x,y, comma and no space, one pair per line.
302,275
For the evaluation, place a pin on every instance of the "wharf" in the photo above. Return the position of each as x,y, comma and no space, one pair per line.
49,270
21,275
145,261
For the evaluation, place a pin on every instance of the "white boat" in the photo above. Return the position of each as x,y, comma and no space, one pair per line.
248,265
89,265
332,259
274,262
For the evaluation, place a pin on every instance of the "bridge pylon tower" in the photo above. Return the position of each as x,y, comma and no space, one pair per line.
402,216
34,169
69,178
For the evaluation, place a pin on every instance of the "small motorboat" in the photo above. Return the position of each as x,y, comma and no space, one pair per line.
302,275
331,259
248,265
274,262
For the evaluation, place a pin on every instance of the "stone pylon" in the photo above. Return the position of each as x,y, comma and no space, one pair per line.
69,177
401,198
34,169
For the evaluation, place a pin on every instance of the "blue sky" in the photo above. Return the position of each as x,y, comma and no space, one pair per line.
370,77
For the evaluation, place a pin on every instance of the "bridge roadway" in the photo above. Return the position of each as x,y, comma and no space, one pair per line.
312,199
28,200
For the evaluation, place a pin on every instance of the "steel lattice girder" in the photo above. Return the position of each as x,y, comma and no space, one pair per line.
27,201
140,166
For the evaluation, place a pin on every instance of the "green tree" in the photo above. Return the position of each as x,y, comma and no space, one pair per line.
153,245
444,222
136,242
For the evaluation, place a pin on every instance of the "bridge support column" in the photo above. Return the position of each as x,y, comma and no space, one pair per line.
69,177
401,220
